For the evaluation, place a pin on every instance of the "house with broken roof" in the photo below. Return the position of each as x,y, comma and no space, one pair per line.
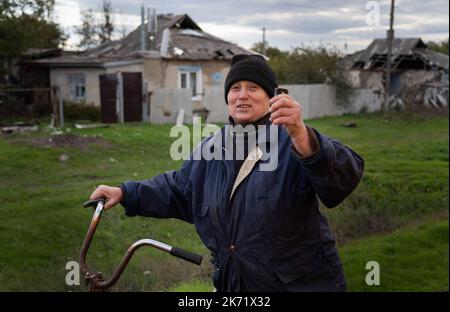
166,52
419,75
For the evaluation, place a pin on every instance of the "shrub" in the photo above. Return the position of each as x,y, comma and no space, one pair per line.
308,65
81,111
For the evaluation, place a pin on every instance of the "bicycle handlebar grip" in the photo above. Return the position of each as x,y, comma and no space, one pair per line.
186,255
94,202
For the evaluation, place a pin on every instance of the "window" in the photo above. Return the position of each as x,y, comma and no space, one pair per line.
191,78
77,87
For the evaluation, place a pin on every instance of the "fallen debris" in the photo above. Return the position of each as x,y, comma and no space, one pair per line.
434,97
90,126
64,157
350,124
19,129
52,121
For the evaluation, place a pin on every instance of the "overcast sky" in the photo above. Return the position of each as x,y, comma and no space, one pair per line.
347,25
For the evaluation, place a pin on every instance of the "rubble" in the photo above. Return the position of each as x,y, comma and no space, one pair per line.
19,129
434,98
396,102
350,124
64,157
430,95
90,126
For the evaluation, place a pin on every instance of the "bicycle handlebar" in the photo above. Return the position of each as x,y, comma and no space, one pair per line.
95,280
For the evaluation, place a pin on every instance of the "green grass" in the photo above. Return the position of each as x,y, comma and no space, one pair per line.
410,259
43,224
406,171
193,286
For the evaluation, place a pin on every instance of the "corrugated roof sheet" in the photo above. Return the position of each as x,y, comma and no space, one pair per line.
434,58
375,55
400,46
185,35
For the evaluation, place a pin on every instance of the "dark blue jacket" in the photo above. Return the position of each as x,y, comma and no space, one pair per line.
270,236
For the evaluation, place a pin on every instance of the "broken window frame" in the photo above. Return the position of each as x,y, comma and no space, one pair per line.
191,78
77,87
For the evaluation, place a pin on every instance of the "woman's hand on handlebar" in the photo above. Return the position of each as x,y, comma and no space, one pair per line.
113,195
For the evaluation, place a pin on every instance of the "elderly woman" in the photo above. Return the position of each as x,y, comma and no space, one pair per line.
262,226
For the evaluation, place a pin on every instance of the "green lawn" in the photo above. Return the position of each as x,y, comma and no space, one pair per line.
43,224
406,171
410,259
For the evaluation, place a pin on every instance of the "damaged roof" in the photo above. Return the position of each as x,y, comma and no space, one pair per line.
177,37
407,53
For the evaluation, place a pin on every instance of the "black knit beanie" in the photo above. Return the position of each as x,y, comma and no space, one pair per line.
252,68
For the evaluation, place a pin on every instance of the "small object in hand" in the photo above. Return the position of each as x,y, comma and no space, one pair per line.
281,91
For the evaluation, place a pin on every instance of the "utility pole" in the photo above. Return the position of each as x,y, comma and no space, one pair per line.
264,41
152,25
143,30
390,39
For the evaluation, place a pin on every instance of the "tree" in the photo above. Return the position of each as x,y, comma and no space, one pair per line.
278,59
87,30
308,65
106,27
26,24
439,46
17,8
94,31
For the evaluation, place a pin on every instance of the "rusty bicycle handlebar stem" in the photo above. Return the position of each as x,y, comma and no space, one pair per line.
95,280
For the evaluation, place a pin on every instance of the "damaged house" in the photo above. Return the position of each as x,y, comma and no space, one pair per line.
167,52
419,75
